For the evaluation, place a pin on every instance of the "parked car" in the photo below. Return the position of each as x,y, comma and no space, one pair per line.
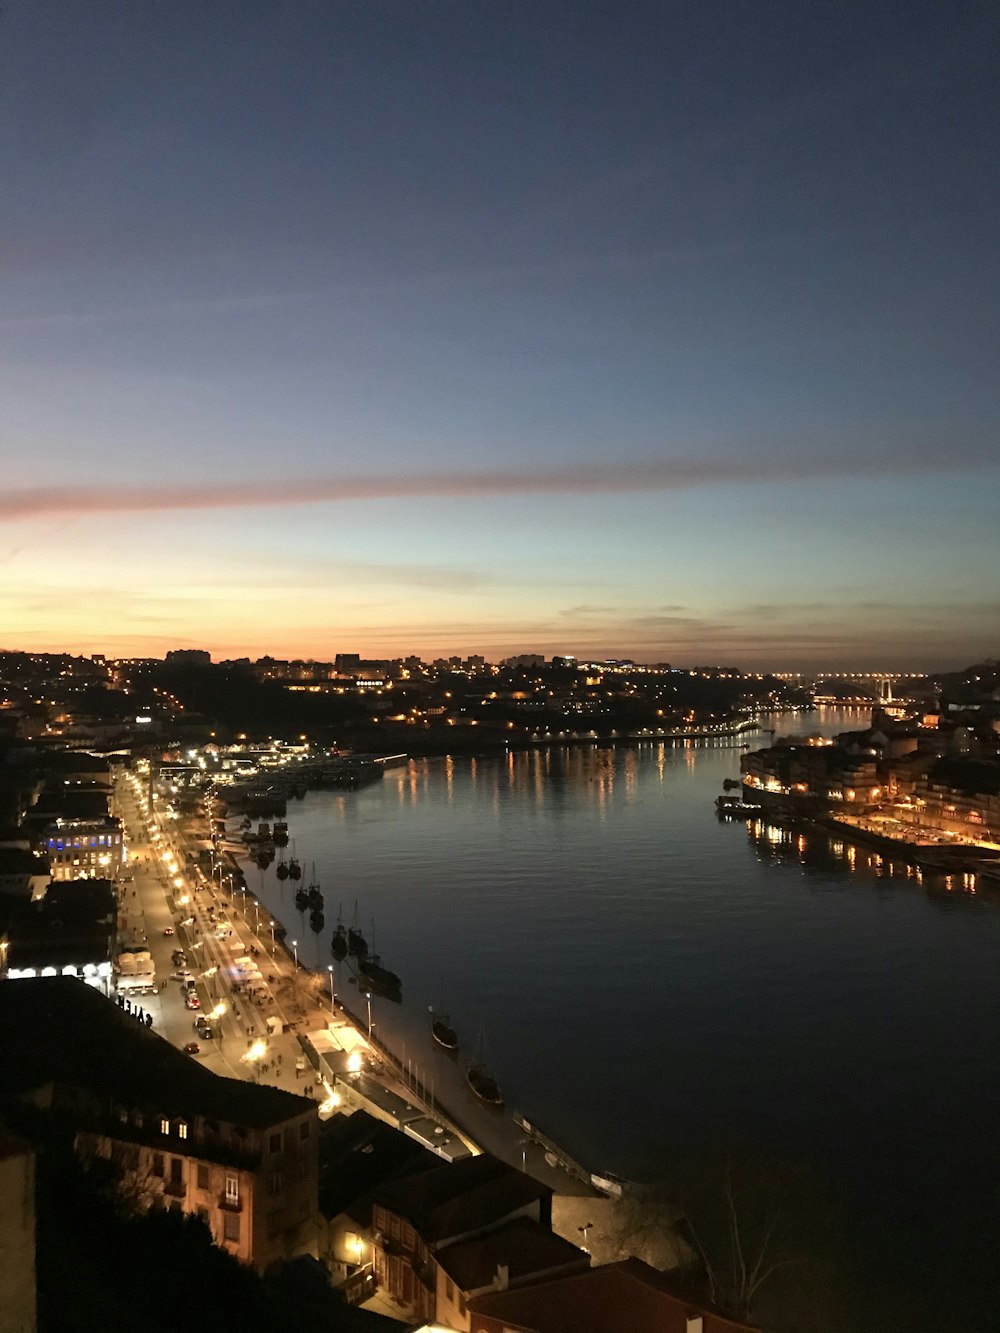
203,1028
192,1048
182,974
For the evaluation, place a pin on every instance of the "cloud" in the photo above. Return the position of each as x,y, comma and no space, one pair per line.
674,474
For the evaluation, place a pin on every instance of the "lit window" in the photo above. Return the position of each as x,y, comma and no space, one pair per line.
232,1189
164,1126
182,1129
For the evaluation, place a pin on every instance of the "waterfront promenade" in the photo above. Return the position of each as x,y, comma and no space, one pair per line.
167,892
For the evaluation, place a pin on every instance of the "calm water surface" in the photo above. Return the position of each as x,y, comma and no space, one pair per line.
648,979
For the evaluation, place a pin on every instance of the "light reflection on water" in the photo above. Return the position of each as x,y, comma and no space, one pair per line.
648,977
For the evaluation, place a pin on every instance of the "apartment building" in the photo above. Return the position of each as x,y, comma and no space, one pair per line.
242,1157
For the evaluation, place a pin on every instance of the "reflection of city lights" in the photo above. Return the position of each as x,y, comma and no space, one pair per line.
256,1052
218,1011
354,1062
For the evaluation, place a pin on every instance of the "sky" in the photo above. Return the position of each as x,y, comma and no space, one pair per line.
661,330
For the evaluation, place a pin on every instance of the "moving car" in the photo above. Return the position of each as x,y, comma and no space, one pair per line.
192,1002
182,974
169,931
192,1048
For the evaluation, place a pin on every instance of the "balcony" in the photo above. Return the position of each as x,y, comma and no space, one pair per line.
231,1203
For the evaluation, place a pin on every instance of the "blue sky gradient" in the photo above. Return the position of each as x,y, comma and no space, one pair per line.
664,330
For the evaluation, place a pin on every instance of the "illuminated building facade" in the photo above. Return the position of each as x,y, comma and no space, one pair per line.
85,848
241,1156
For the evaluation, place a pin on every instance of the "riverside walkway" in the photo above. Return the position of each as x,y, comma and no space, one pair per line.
308,1054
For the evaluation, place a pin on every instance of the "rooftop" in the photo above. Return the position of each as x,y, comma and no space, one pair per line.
72,925
628,1295
522,1246
456,1198
60,1030
359,1154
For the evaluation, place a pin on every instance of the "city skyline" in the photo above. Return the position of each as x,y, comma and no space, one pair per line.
438,330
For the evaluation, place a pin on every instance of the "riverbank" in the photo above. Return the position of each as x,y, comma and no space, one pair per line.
943,856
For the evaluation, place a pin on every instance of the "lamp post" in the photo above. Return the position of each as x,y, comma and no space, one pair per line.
329,968
368,997
272,938
295,950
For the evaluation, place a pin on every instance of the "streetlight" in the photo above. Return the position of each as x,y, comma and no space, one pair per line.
272,938
329,968
295,950
368,997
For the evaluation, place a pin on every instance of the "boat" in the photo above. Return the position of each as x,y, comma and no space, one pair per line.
729,784
280,835
338,942
484,1085
302,900
264,858
315,898
316,920
294,869
443,1034
281,870
734,807
357,945
379,978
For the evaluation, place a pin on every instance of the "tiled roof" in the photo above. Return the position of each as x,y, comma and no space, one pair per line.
458,1197
523,1247
611,1299
359,1154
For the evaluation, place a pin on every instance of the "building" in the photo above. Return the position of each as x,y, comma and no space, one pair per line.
241,1156
23,873
17,1235
188,657
519,1253
415,1220
628,1295
84,848
962,797
359,1154
70,932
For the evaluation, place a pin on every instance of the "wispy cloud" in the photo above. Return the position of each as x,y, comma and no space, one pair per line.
673,474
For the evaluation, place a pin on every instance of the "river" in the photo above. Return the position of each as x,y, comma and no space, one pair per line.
644,980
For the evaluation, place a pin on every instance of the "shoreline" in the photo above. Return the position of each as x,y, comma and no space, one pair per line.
945,858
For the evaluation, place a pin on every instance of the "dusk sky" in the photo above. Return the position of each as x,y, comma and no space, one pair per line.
655,330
